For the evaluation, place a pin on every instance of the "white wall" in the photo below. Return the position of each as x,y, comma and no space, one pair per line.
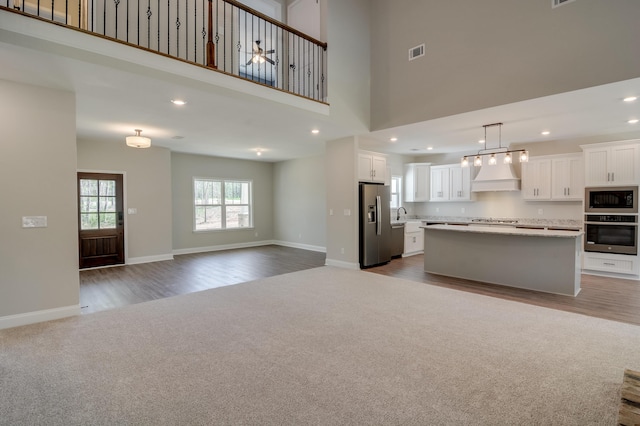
300,202
184,167
147,188
38,266
485,53
342,194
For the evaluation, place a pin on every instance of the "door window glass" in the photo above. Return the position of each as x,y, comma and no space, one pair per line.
97,204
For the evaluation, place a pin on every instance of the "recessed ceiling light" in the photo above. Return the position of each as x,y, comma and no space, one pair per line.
633,121
481,141
178,102
429,148
315,131
394,139
630,98
259,153
546,133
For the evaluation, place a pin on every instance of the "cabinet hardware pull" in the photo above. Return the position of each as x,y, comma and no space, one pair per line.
609,264
613,177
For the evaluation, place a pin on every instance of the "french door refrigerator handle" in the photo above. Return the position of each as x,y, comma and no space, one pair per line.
378,211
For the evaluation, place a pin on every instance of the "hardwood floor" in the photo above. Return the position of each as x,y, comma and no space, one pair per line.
109,288
603,297
100,289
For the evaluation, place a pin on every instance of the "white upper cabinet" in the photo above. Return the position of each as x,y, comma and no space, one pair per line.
440,183
416,182
451,182
553,178
567,176
460,179
536,179
372,167
611,163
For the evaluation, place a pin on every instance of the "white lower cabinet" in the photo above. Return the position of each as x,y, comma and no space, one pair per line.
413,238
606,262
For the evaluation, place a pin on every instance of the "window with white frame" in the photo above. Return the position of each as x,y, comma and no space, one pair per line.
396,191
221,204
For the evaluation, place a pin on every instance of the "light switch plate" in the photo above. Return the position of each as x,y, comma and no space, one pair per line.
34,221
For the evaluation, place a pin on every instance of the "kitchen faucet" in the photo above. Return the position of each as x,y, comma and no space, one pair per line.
398,214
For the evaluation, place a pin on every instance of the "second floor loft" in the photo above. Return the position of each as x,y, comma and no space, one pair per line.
222,35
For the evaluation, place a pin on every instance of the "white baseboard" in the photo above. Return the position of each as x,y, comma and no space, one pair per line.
301,246
149,259
248,245
38,316
222,247
341,264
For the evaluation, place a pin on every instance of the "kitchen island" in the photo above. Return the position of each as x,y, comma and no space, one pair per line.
535,259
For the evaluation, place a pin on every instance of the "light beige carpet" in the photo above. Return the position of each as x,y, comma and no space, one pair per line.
323,346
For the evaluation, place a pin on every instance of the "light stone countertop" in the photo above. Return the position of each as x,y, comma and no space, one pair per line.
507,230
526,222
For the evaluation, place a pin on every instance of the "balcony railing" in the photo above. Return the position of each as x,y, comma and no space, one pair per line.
220,34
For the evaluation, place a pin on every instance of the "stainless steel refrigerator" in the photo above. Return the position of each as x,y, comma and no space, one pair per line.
375,224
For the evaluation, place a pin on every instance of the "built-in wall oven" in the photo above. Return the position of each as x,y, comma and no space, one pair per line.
611,233
611,220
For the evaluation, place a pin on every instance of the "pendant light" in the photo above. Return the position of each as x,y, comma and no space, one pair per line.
138,141
508,158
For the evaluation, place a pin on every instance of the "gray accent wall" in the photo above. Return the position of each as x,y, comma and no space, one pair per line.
300,202
38,266
147,188
486,53
184,167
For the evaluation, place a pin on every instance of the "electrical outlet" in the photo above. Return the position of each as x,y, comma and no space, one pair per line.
347,212
540,212
299,236
256,234
342,250
330,212
437,209
462,210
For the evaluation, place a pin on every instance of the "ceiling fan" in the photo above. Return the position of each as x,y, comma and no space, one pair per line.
259,55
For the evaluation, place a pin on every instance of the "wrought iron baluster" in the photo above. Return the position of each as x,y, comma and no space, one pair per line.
177,29
149,14
117,3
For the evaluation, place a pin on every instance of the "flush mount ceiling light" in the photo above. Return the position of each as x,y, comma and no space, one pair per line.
508,158
138,141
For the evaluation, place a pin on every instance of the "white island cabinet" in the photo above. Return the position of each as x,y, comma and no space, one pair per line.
534,259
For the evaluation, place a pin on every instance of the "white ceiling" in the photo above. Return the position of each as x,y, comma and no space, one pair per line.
114,98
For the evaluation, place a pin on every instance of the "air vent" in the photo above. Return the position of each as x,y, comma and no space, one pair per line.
556,3
416,52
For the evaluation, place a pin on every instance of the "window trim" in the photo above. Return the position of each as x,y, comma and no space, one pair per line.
399,185
222,205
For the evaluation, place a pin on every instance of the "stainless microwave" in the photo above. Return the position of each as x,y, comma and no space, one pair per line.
620,199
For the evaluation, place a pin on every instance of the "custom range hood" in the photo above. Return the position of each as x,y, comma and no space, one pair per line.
496,177
496,170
